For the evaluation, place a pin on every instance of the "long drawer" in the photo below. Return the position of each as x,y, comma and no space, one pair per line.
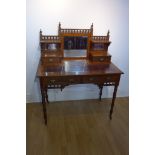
101,79
49,60
63,80
83,79
106,59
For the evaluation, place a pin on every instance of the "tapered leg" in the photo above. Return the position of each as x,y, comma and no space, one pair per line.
44,105
113,101
100,93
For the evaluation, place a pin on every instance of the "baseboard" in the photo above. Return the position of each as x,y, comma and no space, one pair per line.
125,97
28,98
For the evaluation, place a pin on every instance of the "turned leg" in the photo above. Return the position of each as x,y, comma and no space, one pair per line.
43,93
100,93
46,96
113,100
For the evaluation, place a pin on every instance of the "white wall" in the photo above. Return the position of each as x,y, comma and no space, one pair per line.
105,14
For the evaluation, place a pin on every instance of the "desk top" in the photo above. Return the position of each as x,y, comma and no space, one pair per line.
77,67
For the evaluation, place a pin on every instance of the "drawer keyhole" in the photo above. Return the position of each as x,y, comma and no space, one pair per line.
51,60
91,79
108,78
101,59
52,81
71,80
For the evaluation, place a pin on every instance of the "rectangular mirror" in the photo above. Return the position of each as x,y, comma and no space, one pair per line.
75,46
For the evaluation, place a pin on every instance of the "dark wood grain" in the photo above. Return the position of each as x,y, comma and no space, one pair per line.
56,71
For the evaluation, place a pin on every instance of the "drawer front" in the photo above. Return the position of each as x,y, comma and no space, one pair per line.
63,80
51,60
101,79
67,80
53,81
92,79
101,59
112,78
72,79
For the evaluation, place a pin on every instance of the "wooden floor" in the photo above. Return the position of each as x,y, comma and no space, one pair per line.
79,128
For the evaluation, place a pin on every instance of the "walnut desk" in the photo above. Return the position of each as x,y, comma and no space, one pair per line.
76,56
70,72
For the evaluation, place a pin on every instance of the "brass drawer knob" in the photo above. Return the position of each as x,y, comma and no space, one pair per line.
101,59
91,79
50,60
108,78
52,81
71,80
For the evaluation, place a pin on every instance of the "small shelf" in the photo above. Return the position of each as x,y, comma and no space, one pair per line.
100,57
52,54
99,46
100,41
50,41
74,44
50,46
99,53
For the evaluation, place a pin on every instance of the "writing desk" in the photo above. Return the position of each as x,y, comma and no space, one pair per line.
70,72
76,56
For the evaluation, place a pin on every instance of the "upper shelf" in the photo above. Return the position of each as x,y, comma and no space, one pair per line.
50,39
81,32
63,32
100,39
73,32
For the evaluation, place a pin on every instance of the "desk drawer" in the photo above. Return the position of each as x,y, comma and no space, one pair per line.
93,79
101,58
49,60
96,79
101,79
112,78
53,80
63,80
72,80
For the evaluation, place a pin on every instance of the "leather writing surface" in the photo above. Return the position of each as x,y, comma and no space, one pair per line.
79,67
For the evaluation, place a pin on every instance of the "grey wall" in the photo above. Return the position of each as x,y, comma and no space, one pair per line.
105,14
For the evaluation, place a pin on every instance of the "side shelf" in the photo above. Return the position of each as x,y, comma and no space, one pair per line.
100,56
53,46
51,49
99,49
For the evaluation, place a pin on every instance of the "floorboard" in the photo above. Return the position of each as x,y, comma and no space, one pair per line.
78,128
